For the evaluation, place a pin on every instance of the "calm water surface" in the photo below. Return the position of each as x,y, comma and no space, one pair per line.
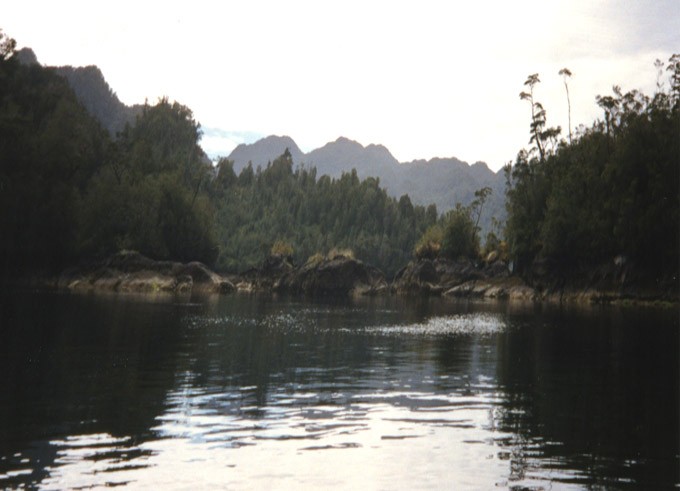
242,392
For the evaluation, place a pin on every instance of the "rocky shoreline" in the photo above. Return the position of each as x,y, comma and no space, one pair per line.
132,272
493,281
339,276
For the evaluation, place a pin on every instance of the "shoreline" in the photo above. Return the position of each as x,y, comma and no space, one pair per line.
339,276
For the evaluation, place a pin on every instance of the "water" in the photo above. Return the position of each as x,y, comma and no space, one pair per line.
238,392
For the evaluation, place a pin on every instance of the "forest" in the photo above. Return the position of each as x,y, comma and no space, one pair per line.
70,190
607,193
304,215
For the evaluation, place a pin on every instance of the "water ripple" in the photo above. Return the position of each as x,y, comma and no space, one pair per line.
480,324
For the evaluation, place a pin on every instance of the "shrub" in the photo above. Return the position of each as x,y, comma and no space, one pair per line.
315,259
430,244
460,235
281,248
336,252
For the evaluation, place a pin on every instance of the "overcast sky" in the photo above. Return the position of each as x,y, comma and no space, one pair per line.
424,78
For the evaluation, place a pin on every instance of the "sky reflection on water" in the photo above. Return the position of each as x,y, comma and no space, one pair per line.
249,393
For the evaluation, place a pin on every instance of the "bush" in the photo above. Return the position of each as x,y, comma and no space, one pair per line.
315,259
336,252
460,234
282,248
430,244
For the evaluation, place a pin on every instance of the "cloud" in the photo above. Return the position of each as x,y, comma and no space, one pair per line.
218,143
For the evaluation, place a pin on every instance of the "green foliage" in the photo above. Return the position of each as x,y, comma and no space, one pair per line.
336,253
540,135
281,248
312,214
430,244
491,243
49,150
7,46
151,195
68,191
614,190
96,96
186,224
315,259
457,233
460,234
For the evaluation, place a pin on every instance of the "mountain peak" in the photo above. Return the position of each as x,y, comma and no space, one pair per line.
344,143
264,150
344,139
26,56
277,139
99,99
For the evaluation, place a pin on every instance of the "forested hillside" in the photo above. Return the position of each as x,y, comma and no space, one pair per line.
610,196
71,191
444,182
50,149
99,99
312,215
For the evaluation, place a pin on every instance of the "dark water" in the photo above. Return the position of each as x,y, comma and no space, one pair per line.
249,393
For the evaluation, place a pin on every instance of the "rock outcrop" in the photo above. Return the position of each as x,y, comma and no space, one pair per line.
508,288
266,276
341,275
338,276
129,271
321,276
435,277
462,279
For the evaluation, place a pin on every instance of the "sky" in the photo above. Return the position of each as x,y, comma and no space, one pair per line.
426,79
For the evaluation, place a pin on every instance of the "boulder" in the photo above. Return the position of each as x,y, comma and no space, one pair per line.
455,272
339,276
202,279
266,276
497,269
429,277
419,276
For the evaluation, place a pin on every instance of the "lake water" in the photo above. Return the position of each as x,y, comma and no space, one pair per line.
240,392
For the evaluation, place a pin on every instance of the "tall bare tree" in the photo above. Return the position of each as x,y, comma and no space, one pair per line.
566,74
537,113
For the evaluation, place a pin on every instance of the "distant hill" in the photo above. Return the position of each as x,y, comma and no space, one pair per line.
26,56
344,154
442,181
447,181
93,92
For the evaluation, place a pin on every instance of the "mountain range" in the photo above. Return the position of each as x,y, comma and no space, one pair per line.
442,181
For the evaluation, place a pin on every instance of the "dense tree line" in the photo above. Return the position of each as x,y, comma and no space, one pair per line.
69,190
612,191
150,195
456,234
50,148
313,215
